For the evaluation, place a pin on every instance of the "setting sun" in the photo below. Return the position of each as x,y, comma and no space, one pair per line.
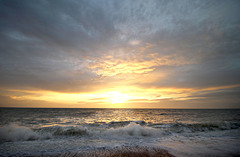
116,97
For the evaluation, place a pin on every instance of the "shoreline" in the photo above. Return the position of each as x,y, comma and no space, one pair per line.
119,151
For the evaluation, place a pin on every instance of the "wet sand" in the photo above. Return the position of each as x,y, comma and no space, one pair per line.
123,151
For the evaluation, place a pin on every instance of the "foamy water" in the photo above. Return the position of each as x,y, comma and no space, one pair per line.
181,132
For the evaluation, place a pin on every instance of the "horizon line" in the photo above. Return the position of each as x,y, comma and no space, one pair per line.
114,108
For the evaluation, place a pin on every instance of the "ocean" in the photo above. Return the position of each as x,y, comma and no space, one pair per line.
181,132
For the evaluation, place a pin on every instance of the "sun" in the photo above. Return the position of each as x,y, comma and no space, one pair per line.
116,97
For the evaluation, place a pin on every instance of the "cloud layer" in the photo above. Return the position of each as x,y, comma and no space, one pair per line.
84,46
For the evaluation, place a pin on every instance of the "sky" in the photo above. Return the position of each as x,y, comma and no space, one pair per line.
120,53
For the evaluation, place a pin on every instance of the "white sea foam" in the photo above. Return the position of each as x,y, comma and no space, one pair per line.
132,129
14,132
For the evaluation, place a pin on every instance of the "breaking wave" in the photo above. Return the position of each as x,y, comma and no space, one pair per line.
197,127
14,132
20,133
132,129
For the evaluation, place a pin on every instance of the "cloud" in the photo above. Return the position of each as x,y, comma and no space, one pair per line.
126,60
83,46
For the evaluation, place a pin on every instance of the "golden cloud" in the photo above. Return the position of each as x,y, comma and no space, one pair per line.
128,61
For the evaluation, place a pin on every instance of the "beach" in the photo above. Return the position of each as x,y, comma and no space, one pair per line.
119,152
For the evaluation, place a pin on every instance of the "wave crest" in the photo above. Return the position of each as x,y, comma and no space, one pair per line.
14,132
132,129
71,131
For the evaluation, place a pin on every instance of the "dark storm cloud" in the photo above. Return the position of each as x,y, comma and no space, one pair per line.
40,40
208,35
67,25
47,44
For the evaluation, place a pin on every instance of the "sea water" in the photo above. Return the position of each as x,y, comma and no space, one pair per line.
183,132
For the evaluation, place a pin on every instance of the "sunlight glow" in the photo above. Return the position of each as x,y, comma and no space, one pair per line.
109,97
116,97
